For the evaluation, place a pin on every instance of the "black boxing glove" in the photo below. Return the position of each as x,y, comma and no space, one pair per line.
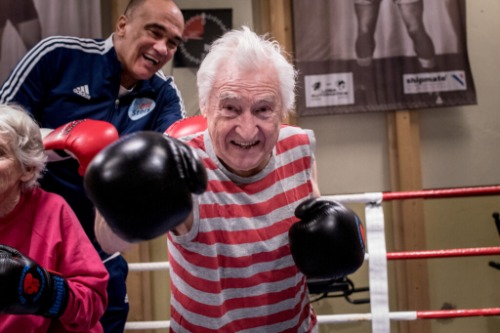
142,184
328,241
28,288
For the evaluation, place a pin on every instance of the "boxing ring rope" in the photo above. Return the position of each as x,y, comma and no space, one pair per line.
377,258
378,197
356,317
429,254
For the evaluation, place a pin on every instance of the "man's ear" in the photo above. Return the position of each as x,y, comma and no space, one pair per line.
120,25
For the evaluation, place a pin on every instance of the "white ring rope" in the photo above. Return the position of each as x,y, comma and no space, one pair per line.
148,266
378,280
371,197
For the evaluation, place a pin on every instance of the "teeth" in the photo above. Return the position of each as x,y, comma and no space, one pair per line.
245,145
153,60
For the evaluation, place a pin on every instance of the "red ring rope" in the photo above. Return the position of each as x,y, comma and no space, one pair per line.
484,251
442,193
458,313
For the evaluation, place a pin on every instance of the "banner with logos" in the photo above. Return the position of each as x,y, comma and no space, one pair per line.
381,55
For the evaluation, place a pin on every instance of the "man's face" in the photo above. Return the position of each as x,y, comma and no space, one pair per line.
147,39
244,113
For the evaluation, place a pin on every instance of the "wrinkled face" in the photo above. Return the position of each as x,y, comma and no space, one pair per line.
147,39
244,113
11,173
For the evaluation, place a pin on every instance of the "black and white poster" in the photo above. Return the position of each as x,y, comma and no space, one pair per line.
381,55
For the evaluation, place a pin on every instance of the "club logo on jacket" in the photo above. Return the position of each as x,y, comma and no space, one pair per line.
140,107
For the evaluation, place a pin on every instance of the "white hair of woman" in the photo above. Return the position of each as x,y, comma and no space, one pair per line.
22,133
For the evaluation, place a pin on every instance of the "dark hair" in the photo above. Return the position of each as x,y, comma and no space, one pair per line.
132,4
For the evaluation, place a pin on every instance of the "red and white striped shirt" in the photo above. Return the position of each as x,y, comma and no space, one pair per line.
233,271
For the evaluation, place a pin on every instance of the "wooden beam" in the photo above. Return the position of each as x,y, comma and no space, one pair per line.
412,285
275,17
139,286
117,9
281,23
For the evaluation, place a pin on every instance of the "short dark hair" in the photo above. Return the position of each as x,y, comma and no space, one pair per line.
132,4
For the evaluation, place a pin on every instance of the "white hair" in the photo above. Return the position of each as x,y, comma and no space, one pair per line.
247,51
22,133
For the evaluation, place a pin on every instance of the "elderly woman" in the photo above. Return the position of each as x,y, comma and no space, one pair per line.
51,278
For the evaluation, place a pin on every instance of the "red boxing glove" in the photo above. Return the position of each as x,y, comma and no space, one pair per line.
82,139
187,126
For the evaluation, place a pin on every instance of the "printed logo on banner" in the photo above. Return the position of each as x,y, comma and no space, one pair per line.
434,82
140,107
329,89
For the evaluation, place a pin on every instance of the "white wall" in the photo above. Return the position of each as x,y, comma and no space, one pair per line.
459,144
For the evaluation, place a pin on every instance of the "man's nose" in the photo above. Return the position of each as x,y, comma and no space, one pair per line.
248,126
161,47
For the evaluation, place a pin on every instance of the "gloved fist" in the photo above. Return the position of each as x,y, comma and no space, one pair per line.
27,288
142,184
81,139
187,126
328,241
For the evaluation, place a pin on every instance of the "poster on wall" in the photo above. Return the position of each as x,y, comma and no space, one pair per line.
23,23
201,28
381,55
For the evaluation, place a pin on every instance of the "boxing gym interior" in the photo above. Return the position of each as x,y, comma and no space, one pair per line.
403,150
422,172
